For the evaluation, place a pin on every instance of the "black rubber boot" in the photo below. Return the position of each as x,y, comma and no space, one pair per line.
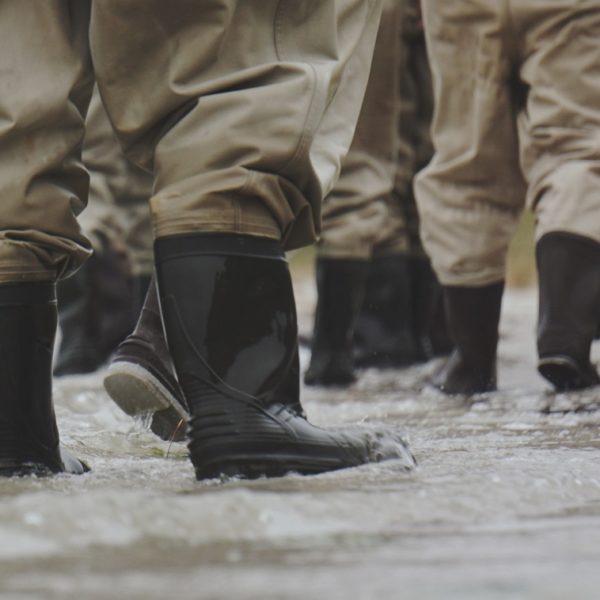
141,378
29,442
340,289
439,335
96,312
230,319
383,335
473,315
429,325
569,284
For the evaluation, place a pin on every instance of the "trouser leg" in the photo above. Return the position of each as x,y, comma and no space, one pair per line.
246,127
359,212
560,123
46,85
471,194
119,192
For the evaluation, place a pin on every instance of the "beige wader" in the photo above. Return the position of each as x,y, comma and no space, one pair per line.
46,86
243,110
119,192
371,210
517,119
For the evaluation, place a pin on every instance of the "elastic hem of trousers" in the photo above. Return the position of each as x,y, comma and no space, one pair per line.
399,246
475,278
259,227
363,253
39,256
14,274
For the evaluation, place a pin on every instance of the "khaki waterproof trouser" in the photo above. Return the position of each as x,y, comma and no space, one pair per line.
517,119
371,209
117,206
242,109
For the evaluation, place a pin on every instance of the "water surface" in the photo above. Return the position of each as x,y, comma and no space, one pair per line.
505,502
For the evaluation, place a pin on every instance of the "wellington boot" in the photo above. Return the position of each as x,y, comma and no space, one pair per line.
96,312
439,335
29,442
340,288
428,318
384,334
141,378
230,319
569,283
473,315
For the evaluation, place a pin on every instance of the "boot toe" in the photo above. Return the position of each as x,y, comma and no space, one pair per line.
567,374
276,441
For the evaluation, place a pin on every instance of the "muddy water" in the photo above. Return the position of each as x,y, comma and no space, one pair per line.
505,502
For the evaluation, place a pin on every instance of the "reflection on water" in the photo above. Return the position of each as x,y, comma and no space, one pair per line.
505,502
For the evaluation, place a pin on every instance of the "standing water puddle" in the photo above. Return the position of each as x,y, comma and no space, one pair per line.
505,502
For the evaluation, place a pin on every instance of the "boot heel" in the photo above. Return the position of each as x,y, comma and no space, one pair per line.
565,374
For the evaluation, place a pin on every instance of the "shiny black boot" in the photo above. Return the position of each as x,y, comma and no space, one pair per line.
230,319
96,312
29,443
141,377
340,288
473,315
569,284
384,335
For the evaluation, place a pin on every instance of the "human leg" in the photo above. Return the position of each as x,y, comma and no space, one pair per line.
257,183
561,162
43,185
358,215
471,194
99,305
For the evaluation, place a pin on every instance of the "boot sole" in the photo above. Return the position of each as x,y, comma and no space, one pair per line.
257,466
15,468
138,392
253,456
563,373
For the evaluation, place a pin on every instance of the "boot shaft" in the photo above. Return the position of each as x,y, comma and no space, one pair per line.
28,320
473,316
340,291
384,334
569,286
229,313
569,294
230,319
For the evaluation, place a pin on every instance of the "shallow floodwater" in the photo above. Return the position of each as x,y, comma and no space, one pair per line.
505,502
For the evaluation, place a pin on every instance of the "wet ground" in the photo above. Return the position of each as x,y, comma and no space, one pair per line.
505,502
